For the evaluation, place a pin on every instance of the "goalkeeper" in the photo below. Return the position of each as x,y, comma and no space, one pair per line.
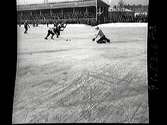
103,38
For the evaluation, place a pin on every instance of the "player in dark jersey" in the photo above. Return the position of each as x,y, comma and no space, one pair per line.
47,23
60,27
26,25
52,31
55,30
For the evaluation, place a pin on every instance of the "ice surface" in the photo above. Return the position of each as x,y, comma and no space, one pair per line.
73,79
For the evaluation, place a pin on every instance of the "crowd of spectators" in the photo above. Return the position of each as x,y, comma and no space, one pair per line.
78,17
72,17
128,18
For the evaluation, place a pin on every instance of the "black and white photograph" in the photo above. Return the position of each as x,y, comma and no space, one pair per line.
81,61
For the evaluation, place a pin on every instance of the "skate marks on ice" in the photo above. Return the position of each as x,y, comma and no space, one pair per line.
114,93
84,81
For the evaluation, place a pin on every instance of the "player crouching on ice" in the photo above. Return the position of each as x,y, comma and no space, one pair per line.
55,30
103,38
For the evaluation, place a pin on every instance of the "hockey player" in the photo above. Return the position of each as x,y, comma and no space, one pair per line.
60,27
26,25
103,38
51,31
55,30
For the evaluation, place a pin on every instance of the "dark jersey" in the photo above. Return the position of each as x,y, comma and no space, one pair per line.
26,25
59,27
56,29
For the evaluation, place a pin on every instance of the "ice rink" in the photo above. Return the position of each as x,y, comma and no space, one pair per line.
72,79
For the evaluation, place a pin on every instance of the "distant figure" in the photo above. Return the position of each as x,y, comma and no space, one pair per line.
103,38
26,25
55,30
36,24
33,24
47,24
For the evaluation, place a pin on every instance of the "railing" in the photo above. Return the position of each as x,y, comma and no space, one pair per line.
127,18
89,21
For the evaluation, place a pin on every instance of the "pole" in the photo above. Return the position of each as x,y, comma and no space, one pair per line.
50,12
96,10
86,10
62,12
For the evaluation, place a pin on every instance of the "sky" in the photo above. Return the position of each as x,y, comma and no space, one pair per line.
110,2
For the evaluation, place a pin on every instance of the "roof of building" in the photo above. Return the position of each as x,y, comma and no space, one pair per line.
66,4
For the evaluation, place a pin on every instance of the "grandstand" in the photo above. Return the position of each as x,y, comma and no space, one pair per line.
79,11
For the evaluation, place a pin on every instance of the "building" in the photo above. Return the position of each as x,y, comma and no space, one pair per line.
121,15
79,11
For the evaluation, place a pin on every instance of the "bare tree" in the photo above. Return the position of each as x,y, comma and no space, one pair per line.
121,5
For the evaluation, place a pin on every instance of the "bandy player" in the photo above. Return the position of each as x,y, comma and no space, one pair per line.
103,38
55,30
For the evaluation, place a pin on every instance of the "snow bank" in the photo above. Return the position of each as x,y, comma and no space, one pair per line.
77,25
124,25
69,25
108,25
